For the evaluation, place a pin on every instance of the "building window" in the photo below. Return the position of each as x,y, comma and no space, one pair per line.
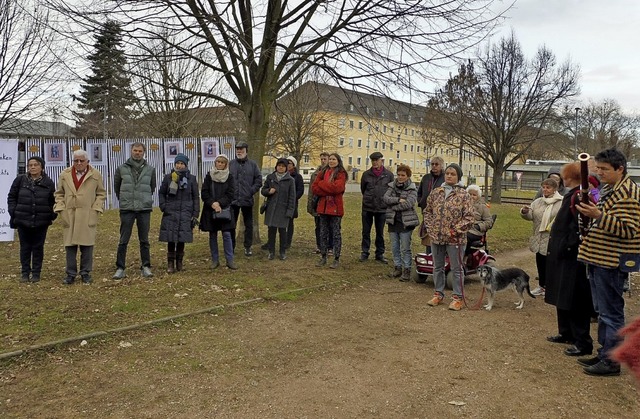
391,146
375,145
341,123
411,148
351,124
359,161
417,149
359,143
360,125
350,160
305,158
382,113
351,107
377,127
405,148
384,128
341,142
391,129
384,145
351,142
413,132
390,162
398,154
398,139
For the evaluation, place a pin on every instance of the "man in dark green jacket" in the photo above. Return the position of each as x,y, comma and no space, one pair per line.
134,184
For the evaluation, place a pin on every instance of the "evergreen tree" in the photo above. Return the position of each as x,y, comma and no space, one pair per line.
106,98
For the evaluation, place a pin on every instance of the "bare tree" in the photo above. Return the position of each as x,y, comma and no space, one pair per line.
501,110
301,119
29,63
260,49
602,125
163,84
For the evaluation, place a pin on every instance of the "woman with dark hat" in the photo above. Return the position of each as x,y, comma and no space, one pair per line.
180,206
280,190
30,203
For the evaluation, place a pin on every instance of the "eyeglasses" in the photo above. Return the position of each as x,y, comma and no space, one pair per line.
79,161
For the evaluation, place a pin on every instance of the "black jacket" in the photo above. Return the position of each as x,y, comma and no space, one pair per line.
30,204
178,210
222,193
373,189
282,203
427,184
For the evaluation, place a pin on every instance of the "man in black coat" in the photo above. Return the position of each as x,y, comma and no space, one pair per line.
248,181
429,182
373,185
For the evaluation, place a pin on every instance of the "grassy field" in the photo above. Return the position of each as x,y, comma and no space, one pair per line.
48,311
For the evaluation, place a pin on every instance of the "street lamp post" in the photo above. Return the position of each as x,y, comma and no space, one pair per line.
576,134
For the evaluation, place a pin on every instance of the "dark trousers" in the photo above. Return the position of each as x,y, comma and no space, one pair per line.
370,219
247,216
606,290
227,245
575,324
142,219
289,233
32,249
330,229
86,260
175,247
316,219
541,264
271,243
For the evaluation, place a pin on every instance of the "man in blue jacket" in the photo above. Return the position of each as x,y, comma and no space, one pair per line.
373,185
134,184
248,182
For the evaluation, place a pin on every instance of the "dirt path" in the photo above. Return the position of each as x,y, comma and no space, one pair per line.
368,350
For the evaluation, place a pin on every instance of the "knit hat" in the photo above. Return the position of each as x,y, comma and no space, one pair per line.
457,169
183,158
293,160
283,161
38,159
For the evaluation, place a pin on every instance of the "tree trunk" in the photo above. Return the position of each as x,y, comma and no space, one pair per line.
496,187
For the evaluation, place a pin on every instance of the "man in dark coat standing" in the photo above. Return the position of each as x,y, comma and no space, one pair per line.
248,181
429,182
373,185
134,183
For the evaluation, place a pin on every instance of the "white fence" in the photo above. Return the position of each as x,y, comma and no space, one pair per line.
107,155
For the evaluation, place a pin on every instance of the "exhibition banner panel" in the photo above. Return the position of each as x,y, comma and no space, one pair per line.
8,172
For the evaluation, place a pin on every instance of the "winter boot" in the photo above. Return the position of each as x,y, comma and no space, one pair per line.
397,271
171,262
406,275
179,257
322,261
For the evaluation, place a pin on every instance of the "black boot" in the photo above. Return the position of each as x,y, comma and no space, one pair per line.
322,261
179,257
171,261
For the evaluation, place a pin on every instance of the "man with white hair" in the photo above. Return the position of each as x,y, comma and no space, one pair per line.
80,198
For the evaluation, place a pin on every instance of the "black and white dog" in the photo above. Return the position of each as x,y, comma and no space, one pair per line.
494,279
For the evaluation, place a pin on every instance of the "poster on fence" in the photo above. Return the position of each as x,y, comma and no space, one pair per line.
8,172
209,149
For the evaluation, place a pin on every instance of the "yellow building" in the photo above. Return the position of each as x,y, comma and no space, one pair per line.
356,124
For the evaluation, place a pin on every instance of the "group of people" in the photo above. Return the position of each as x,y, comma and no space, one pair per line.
584,252
228,189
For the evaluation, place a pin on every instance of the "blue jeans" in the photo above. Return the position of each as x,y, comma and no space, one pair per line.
371,219
606,291
456,254
401,248
227,244
142,219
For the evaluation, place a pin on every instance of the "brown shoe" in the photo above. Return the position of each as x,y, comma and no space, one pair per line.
456,304
437,299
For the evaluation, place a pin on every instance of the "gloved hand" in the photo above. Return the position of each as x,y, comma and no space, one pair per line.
194,223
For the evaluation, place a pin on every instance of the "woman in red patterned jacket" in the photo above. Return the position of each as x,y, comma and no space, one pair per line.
329,186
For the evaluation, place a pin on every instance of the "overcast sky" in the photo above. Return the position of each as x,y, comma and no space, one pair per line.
601,36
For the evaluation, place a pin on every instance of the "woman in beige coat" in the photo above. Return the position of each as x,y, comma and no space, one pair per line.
80,198
542,212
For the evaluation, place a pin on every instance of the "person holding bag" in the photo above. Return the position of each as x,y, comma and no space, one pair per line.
180,206
280,190
218,190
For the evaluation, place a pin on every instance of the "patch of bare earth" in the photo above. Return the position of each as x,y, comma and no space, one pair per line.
371,349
